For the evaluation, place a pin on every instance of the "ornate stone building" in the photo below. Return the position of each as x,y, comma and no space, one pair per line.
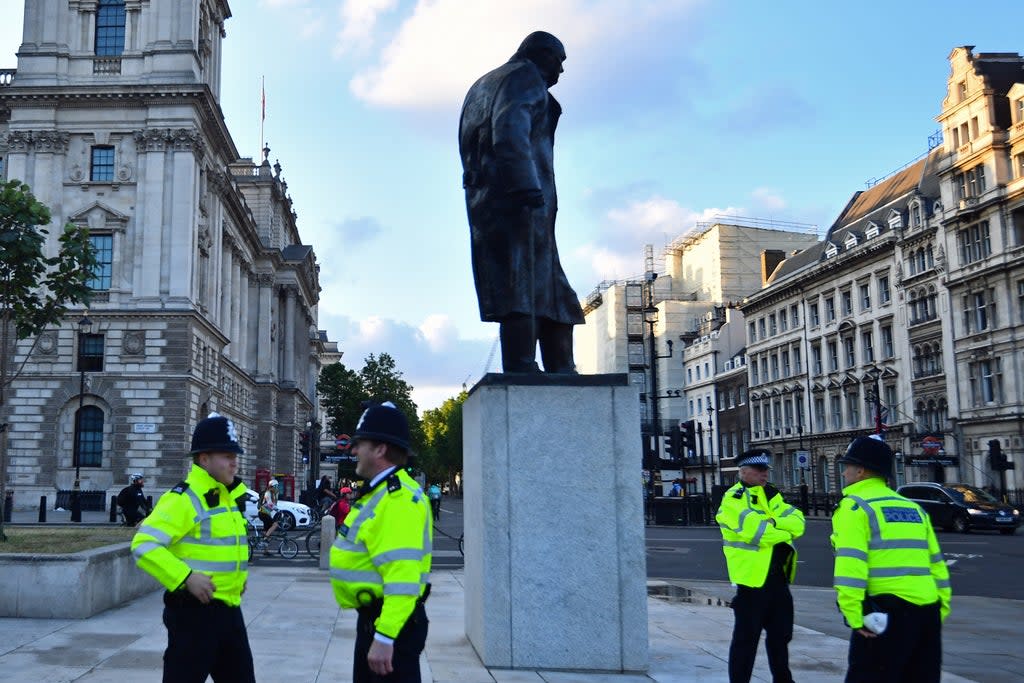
829,336
205,298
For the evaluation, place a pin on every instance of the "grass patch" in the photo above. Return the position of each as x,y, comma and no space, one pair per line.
61,540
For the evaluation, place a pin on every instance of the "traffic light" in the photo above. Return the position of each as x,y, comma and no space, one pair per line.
688,438
304,445
669,455
996,458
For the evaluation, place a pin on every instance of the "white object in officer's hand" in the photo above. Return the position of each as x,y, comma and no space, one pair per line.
876,622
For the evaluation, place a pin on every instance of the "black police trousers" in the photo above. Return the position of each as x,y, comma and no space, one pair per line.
409,644
769,609
908,651
205,640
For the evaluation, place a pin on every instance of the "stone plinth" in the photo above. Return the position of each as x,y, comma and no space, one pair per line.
555,558
73,586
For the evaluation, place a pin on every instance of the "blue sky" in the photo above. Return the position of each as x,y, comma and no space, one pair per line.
674,111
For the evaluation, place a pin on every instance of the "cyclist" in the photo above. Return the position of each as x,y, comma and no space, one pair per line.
269,514
325,494
132,500
340,509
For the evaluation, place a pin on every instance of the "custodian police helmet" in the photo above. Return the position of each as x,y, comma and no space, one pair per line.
215,433
383,422
869,452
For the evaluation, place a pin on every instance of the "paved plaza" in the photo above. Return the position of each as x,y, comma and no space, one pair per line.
299,634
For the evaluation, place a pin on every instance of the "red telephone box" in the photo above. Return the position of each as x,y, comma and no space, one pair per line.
287,482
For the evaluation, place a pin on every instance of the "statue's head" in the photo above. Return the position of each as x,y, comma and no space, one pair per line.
546,51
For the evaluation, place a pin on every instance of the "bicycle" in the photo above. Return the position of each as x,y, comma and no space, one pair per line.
277,542
313,541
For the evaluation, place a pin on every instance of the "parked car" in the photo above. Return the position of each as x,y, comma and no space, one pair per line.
960,507
293,515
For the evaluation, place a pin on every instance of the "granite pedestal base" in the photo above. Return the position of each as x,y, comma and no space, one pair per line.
555,561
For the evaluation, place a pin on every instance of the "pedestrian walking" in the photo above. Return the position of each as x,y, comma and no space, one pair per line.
380,560
194,543
758,528
891,581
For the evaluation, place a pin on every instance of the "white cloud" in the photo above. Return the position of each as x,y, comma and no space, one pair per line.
434,357
439,332
768,198
656,220
358,21
438,51
606,264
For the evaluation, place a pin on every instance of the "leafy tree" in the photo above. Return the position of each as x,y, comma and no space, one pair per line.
35,289
342,392
442,430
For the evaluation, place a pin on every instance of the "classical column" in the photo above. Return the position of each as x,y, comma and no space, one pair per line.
152,145
243,324
224,316
236,308
288,372
264,345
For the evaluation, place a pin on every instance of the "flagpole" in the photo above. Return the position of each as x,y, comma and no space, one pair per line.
263,113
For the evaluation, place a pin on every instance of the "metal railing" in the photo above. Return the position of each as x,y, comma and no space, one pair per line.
7,76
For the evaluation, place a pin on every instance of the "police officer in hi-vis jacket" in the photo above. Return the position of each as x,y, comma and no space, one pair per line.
380,560
891,580
758,528
195,544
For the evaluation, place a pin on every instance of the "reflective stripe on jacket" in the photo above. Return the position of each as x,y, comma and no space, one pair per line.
751,527
383,550
184,534
885,545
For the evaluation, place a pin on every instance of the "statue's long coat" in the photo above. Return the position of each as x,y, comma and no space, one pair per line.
506,140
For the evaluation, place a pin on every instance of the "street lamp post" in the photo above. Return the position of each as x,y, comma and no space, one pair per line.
651,317
804,503
711,444
711,459
84,327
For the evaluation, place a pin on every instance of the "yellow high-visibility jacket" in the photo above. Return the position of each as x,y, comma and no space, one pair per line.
885,545
383,550
197,526
751,527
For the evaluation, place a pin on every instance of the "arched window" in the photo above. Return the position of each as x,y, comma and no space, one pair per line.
931,257
920,260
90,437
918,362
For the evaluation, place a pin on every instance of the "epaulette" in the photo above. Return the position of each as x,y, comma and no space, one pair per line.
394,483
180,487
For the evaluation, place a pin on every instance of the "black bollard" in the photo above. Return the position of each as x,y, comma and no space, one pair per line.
113,509
42,509
149,499
804,507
